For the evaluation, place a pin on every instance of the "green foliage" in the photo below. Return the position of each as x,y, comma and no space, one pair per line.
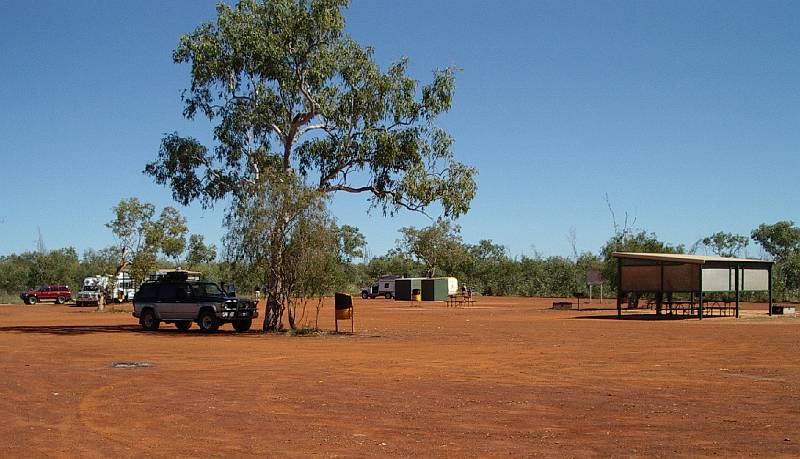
169,233
33,269
16,271
488,268
319,257
95,262
30,270
299,106
395,261
287,88
140,238
725,244
434,246
787,276
485,267
352,242
283,237
780,240
198,252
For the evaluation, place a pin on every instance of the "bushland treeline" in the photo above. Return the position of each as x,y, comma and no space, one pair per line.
438,250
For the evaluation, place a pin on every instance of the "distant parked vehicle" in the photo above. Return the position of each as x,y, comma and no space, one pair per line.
120,290
383,287
57,293
89,295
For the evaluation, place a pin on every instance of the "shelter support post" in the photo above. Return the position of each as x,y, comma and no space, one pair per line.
700,306
619,287
769,289
700,301
660,294
736,287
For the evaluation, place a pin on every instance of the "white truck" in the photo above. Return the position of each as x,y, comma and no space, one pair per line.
384,287
121,289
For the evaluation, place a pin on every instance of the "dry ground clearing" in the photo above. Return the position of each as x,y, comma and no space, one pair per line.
508,377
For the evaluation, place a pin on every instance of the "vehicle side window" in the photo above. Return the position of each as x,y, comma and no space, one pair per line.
148,291
184,291
386,285
167,291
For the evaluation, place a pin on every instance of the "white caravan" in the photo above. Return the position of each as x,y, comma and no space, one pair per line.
122,289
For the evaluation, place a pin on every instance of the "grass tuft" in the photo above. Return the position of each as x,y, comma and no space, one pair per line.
9,298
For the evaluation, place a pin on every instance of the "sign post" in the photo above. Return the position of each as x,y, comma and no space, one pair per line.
343,303
593,277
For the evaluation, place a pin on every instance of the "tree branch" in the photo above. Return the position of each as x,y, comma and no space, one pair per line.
380,194
335,172
313,103
311,127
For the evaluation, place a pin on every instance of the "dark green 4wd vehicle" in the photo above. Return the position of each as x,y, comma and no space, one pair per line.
183,302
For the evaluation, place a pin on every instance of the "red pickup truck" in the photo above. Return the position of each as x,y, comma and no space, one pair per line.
58,293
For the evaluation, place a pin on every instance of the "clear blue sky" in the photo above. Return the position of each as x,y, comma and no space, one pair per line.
686,113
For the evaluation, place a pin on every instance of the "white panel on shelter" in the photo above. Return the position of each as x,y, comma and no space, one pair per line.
756,279
717,280
452,285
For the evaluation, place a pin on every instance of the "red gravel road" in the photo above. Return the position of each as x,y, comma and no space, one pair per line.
507,377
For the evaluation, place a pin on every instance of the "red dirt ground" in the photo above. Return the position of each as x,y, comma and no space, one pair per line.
507,377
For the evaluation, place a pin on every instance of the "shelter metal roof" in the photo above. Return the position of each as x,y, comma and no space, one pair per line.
684,258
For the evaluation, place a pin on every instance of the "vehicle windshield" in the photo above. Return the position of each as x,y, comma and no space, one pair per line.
89,288
206,289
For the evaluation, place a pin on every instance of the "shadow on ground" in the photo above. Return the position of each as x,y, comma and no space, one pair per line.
104,329
645,317
69,330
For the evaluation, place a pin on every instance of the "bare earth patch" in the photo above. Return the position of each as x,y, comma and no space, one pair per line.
508,377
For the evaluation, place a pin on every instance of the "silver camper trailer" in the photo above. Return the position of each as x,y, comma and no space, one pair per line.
384,287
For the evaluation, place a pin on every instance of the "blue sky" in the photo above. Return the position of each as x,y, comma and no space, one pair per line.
686,113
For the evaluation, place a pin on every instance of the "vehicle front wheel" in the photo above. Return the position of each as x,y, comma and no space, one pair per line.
364,295
60,300
183,325
149,320
242,326
208,322
388,296
31,300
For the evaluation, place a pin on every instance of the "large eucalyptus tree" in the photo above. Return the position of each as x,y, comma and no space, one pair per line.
288,90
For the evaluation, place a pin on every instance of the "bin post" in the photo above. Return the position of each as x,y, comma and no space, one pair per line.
343,305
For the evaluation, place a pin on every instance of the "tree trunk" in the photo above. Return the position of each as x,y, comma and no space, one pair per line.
275,293
290,312
101,302
274,313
